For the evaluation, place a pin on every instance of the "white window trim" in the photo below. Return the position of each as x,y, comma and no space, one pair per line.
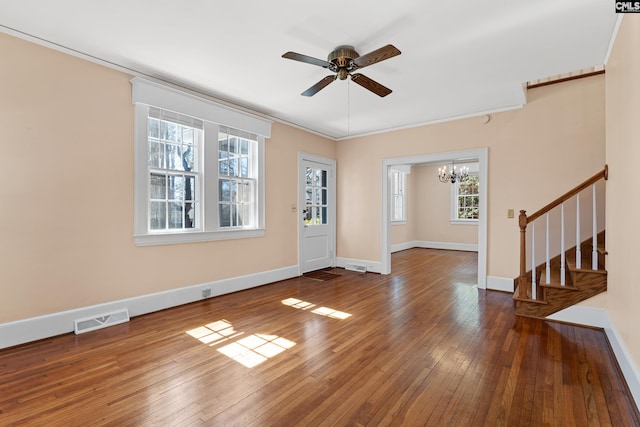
147,93
453,217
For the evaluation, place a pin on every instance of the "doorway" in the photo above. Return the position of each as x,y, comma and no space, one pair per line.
481,156
317,213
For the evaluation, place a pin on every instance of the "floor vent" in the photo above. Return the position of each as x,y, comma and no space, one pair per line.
102,321
356,267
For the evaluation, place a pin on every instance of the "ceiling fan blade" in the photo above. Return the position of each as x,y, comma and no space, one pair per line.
370,84
318,86
386,52
307,59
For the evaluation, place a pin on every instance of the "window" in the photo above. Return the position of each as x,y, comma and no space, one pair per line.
465,198
398,199
468,197
236,179
196,180
174,145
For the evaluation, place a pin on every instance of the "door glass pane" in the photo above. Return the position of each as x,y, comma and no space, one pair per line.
309,175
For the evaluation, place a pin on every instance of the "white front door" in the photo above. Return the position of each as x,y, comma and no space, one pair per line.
317,213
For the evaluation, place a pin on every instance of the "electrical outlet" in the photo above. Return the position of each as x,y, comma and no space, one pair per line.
206,293
510,213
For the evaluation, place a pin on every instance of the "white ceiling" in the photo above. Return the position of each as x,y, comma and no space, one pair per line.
458,58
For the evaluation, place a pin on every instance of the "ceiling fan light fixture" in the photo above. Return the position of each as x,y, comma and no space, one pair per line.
342,61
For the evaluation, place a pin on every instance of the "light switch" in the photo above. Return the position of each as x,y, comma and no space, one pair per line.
510,213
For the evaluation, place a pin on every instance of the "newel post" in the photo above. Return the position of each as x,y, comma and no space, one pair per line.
522,280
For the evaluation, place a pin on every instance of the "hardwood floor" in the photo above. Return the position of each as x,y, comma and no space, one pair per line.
422,346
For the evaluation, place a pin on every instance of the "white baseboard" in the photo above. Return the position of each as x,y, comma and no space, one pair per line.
447,245
503,284
372,266
434,245
36,328
599,318
402,246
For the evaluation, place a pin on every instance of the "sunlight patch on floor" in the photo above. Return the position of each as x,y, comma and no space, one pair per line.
255,349
248,351
323,311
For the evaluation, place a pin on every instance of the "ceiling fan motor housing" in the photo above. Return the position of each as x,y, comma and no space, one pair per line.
342,57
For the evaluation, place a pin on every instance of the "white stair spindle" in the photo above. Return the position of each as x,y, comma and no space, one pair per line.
533,261
578,251
547,260
562,255
594,253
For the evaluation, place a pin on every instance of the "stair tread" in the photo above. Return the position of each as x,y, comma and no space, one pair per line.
517,297
586,264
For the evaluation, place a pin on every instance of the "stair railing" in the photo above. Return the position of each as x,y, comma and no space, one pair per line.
524,220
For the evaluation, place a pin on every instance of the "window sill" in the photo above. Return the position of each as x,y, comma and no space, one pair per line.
463,221
193,237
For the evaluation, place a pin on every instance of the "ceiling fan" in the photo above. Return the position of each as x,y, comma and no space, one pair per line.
343,61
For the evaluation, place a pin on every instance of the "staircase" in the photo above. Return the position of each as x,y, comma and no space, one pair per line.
573,275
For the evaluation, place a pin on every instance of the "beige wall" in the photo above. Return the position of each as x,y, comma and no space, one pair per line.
623,152
66,219
529,150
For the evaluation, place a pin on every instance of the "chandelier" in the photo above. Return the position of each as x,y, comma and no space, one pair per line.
453,174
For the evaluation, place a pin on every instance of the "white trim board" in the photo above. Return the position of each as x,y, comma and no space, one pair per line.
36,328
599,318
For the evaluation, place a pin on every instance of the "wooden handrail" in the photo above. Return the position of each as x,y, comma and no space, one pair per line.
604,173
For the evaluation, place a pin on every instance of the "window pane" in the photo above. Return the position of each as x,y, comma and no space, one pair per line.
176,187
225,215
225,190
247,215
158,186
190,215
233,144
224,167
244,147
156,154
187,136
244,167
158,216
190,188
234,215
324,215
188,158
247,192
233,167
223,142
233,185
175,215
153,126
174,157
169,131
